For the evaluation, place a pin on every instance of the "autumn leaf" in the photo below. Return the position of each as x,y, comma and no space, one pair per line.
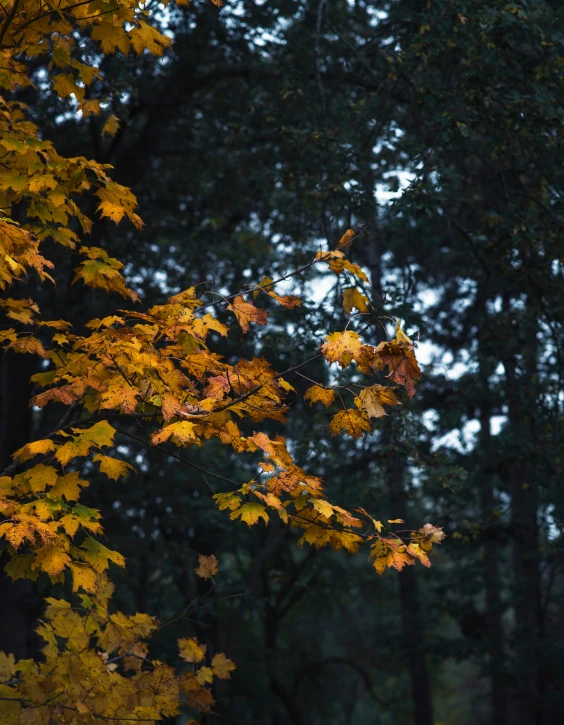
371,400
222,666
111,126
352,298
30,450
207,566
355,422
317,394
145,37
346,240
342,347
399,356
83,577
246,312
98,556
191,650
181,433
112,467
250,513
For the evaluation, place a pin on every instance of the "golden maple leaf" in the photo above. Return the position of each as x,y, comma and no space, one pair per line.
355,422
222,666
372,400
246,312
318,394
343,347
207,566
352,298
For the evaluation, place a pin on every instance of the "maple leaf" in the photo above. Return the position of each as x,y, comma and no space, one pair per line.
98,556
250,513
30,450
222,666
65,85
83,577
418,553
343,347
318,394
372,399
323,507
112,467
111,37
191,650
399,356
145,37
181,432
204,675
246,312
40,476
229,501
207,566
116,202
111,126
353,298
288,301
427,536
23,310
98,436
355,422
69,486
346,240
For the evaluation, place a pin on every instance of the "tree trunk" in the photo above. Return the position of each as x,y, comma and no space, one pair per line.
494,623
413,634
523,484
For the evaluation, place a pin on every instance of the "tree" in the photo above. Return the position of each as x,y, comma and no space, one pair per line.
157,368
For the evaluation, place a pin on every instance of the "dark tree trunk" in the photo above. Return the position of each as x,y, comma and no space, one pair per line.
413,635
19,604
494,623
410,606
523,483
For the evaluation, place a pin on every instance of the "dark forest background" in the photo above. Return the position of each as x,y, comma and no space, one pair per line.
268,130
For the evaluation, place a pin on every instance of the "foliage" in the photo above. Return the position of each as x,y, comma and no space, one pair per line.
157,367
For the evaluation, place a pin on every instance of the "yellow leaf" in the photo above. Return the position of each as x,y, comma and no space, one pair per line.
222,666
207,566
318,394
113,467
41,476
343,347
204,675
353,298
191,650
353,421
69,486
30,450
346,240
111,37
323,507
373,398
111,126
181,432
250,513
246,312
83,577
145,37
97,555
